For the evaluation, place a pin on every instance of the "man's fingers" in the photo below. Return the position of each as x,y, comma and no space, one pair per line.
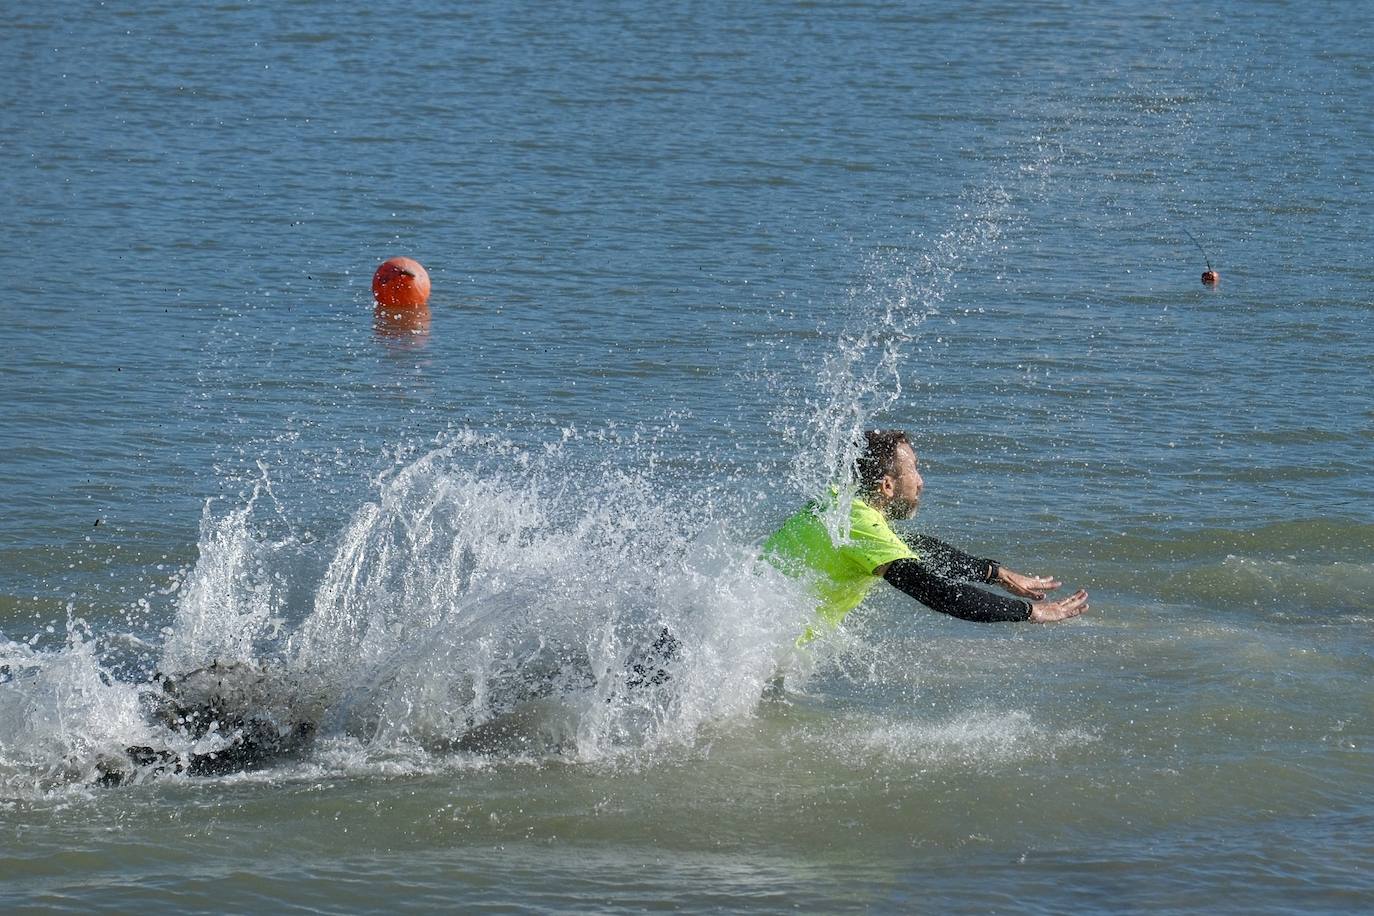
1044,584
1077,603
1035,587
1063,609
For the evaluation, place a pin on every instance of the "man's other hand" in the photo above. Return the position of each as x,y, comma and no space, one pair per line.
1063,609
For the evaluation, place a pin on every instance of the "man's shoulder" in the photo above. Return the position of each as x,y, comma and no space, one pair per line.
796,525
865,517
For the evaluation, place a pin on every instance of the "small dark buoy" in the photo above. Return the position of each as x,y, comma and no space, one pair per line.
400,283
1209,276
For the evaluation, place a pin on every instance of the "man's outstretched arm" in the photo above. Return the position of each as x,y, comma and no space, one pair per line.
957,599
966,602
952,563
949,561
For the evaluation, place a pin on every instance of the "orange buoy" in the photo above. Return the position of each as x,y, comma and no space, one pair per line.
1210,277
400,283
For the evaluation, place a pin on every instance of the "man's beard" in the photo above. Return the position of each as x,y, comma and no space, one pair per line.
900,509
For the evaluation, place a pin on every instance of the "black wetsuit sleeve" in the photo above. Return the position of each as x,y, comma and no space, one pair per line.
949,561
956,599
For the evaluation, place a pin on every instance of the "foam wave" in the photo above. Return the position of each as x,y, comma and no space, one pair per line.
975,738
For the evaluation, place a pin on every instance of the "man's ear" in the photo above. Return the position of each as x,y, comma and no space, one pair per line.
887,486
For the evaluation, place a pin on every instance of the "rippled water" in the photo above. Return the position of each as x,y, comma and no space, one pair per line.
679,254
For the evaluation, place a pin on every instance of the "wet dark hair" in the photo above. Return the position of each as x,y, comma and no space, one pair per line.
879,457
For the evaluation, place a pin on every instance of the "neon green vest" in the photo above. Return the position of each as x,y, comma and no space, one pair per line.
841,575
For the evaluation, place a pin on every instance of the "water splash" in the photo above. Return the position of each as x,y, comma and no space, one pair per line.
486,600
229,601
860,378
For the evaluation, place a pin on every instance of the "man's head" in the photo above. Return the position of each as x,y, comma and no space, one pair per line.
888,478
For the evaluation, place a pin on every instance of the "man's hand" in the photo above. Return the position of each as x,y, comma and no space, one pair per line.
1063,609
1024,586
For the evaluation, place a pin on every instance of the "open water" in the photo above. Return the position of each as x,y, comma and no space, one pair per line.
680,253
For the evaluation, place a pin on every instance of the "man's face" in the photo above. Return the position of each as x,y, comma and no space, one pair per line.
903,487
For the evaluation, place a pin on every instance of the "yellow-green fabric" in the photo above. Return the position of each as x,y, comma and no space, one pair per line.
841,575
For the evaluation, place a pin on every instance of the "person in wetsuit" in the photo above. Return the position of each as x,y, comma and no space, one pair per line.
939,576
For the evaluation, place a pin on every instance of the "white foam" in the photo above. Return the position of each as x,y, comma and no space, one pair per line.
975,738
62,716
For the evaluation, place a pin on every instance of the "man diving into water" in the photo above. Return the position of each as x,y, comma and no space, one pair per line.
238,701
929,570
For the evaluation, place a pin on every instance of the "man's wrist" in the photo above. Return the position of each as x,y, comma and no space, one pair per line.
994,572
